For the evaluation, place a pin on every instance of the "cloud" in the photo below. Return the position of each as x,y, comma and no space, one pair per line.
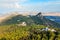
11,3
7,1
14,5
25,6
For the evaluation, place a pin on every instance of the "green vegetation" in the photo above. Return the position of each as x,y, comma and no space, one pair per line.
14,32
18,19
11,28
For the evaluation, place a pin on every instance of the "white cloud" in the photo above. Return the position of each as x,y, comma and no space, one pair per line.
17,5
14,5
11,3
41,6
8,1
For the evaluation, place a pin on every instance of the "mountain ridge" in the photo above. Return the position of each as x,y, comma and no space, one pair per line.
38,19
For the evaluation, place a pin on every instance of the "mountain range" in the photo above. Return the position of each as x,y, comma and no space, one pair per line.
37,18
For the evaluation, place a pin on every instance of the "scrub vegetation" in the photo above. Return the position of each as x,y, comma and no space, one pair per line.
14,32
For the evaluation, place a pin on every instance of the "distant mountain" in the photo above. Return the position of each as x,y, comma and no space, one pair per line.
16,19
20,18
51,14
54,18
29,19
13,17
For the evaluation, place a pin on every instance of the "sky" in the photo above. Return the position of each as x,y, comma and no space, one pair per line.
29,5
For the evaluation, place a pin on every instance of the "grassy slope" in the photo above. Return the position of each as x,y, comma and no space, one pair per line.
14,32
15,19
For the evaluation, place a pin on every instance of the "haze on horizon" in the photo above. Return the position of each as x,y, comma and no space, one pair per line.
29,5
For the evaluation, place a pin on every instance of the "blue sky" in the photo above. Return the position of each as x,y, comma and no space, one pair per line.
29,5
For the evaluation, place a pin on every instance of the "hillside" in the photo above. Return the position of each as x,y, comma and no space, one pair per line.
33,32
14,19
29,19
54,18
38,28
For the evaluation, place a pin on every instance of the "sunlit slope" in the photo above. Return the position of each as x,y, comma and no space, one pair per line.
19,18
29,19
